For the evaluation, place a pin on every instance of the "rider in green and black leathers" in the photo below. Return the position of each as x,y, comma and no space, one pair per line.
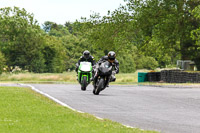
85,57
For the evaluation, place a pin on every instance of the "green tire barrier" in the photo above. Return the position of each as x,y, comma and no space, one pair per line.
142,76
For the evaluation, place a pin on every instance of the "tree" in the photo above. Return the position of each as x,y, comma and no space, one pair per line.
22,39
59,36
54,29
195,34
54,55
114,32
69,25
2,62
168,22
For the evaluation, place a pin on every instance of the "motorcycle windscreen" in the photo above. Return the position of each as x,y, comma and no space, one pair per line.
85,66
105,68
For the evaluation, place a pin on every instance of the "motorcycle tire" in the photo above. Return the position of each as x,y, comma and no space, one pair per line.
84,83
99,87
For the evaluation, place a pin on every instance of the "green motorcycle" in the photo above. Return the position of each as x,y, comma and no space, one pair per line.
84,74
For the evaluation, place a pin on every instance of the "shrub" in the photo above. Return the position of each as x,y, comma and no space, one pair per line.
126,64
146,62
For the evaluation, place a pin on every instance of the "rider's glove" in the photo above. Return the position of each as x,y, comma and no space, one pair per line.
113,72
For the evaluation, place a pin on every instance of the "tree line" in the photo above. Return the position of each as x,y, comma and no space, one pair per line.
143,33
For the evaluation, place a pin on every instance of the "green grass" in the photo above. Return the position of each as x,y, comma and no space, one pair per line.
25,111
70,77
39,77
126,78
66,77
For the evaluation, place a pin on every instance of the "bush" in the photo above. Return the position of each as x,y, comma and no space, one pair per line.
146,62
126,64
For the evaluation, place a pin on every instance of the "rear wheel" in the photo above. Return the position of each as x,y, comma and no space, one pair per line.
99,87
84,83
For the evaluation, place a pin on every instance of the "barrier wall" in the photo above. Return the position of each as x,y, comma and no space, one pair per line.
170,76
179,76
154,76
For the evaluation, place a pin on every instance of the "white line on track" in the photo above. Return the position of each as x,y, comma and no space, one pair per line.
52,98
63,104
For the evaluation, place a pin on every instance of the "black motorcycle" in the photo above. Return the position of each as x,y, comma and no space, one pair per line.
102,77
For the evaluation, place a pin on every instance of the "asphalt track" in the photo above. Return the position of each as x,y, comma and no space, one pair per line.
168,109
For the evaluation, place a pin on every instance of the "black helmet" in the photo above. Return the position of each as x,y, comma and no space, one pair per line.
111,56
86,54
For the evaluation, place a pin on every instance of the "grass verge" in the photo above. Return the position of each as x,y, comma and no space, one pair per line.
66,77
70,77
25,111
39,77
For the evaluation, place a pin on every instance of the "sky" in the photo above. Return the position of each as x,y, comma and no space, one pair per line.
61,11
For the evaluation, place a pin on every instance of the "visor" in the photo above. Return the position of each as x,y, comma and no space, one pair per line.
86,56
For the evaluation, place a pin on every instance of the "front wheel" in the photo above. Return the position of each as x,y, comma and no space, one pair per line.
99,87
84,83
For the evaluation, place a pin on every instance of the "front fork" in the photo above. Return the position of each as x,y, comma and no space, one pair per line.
95,78
107,79
80,76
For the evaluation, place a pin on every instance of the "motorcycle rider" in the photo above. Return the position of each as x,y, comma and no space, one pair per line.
111,57
85,57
